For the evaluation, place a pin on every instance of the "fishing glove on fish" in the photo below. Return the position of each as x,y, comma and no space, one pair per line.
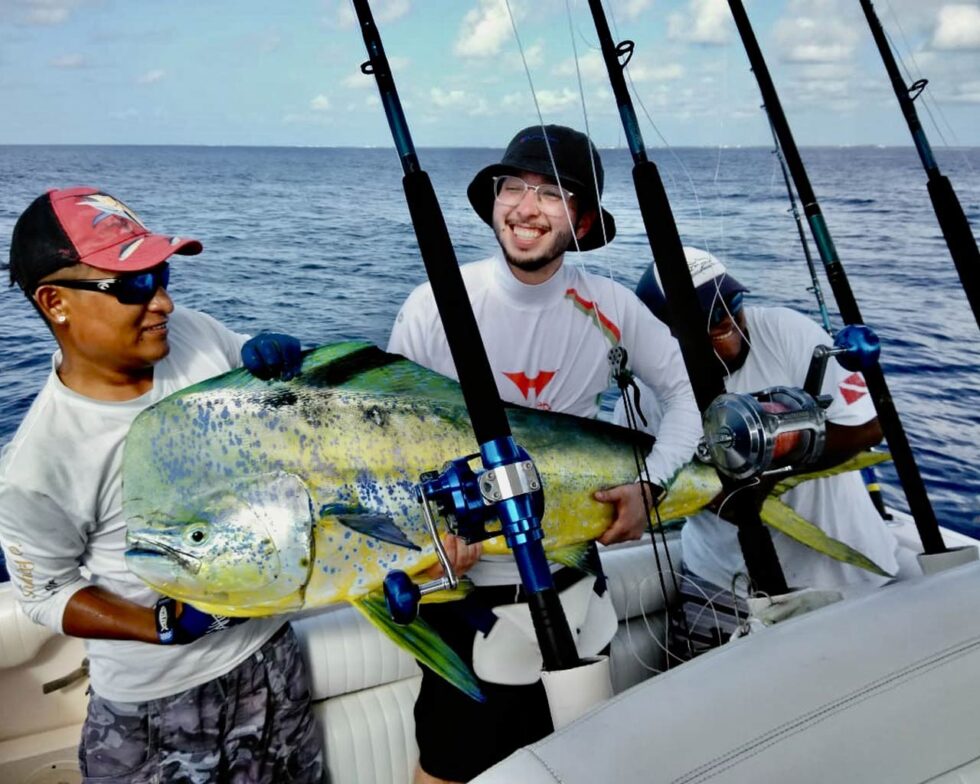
188,624
272,355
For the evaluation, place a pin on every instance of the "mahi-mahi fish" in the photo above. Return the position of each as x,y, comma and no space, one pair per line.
248,497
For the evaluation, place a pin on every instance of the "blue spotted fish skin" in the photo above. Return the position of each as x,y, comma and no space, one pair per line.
249,497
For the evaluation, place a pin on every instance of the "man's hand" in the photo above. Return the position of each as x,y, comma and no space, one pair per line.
272,355
629,513
461,555
179,623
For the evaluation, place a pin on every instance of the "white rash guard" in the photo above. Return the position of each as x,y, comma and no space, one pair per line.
62,526
548,346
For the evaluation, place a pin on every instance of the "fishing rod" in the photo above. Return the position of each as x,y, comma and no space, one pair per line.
510,486
758,551
905,466
949,212
868,473
814,280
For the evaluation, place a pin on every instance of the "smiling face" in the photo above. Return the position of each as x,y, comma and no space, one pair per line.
109,348
728,340
533,241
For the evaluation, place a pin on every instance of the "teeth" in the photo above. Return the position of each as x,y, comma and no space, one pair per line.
525,233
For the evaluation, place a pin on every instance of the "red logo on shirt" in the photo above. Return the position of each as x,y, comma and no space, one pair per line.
526,384
853,388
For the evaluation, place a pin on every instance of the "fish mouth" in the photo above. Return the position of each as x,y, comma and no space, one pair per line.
143,547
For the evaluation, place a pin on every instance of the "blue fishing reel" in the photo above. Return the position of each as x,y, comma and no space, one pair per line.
509,489
856,347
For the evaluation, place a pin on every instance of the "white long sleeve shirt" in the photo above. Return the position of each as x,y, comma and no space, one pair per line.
62,526
548,346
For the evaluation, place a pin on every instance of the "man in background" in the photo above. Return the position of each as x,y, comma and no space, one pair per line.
759,347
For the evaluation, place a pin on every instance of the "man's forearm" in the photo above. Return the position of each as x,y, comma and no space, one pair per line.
98,614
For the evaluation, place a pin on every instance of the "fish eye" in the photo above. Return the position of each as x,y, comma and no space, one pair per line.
198,534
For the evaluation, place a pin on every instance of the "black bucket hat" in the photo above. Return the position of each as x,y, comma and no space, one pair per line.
528,152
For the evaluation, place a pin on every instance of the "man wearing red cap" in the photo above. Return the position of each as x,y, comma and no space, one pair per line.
548,329
176,694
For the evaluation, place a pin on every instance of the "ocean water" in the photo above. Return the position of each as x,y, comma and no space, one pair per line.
318,242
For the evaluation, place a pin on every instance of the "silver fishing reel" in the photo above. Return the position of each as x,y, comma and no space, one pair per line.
776,430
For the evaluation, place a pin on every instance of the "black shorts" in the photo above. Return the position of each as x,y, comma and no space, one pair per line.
458,737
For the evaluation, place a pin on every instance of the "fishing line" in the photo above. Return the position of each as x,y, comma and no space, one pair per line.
585,119
625,381
667,145
926,95
537,109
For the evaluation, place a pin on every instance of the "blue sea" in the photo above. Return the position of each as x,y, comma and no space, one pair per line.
318,242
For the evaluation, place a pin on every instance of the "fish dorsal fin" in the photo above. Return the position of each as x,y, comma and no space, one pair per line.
785,520
422,642
368,523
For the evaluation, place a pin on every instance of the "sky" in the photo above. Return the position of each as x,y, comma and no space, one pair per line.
242,72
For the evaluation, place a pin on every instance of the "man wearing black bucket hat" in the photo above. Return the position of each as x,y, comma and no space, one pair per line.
548,328
176,694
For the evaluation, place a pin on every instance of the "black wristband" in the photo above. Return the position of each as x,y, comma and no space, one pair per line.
165,615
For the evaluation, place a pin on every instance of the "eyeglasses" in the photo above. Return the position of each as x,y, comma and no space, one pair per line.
136,288
510,190
725,308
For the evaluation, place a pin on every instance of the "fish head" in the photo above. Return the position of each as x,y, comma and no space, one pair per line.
244,544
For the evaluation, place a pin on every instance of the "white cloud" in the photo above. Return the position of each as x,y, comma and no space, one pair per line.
549,101
485,29
957,27
593,70
631,9
458,101
814,31
704,22
320,104
69,61
151,77
381,10
444,99
44,12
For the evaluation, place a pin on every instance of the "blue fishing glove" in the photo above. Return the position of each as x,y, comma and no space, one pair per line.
272,355
191,624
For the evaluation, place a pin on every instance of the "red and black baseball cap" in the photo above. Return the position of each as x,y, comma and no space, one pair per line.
85,226
554,151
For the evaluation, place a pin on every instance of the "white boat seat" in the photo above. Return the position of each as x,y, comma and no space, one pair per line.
364,686
877,688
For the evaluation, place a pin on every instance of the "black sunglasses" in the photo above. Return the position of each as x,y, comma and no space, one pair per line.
727,307
135,288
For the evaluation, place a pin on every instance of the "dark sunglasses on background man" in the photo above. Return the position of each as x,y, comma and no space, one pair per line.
726,307
134,288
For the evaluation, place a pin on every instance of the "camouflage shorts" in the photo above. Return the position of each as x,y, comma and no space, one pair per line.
253,724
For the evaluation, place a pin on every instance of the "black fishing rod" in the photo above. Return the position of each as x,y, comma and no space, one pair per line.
517,498
760,556
814,280
905,466
955,227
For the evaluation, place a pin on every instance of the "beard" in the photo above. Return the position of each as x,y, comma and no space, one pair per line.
561,239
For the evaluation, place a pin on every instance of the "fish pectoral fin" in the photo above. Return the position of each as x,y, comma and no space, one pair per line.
576,556
378,526
856,463
422,642
785,520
